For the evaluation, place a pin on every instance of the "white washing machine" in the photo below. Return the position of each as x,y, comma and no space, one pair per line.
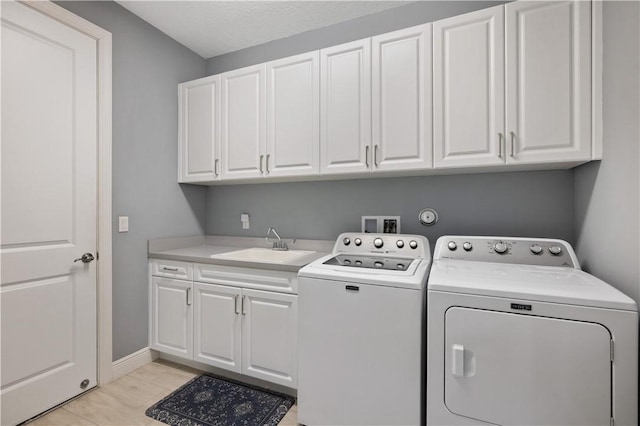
519,335
361,332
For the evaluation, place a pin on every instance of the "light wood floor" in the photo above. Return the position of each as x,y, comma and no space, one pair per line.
124,401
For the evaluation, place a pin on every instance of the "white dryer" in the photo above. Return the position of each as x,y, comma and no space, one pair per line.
518,334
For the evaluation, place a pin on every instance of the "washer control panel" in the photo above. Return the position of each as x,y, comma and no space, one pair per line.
412,246
515,250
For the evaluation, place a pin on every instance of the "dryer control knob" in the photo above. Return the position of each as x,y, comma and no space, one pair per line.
378,242
346,241
452,245
400,243
536,249
467,246
357,241
413,244
555,250
500,248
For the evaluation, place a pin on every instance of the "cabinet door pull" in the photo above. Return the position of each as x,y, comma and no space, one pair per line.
235,305
261,157
215,167
267,164
500,142
189,296
166,268
243,310
366,156
375,155
513,145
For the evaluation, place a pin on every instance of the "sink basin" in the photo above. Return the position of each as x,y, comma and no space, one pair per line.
263,255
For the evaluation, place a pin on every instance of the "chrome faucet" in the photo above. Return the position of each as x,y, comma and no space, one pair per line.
277,245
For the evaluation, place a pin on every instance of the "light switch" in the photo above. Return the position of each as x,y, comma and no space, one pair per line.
123,223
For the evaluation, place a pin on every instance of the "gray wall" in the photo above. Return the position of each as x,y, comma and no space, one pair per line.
515,204
400,17
607,193
147,66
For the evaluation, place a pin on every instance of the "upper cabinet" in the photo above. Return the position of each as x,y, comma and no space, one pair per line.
517,97
401,99
242,143
199,130
293,137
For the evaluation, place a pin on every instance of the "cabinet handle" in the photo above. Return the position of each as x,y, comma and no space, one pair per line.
235,305
166,268
261,157
513,145
243,310
366,156
375,155
188,296
266,163
500,142
215,167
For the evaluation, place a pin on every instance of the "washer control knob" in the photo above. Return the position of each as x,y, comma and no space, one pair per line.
500,248
413,244
378,242
536,249
357,241
452,245
555,250
467,246
346,241
400,243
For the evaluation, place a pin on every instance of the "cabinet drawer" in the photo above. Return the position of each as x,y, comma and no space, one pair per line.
261,279
172,269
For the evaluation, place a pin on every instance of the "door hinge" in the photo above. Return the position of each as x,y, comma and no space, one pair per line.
97,256
611,356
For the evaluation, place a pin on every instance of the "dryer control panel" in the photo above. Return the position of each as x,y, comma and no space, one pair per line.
514,250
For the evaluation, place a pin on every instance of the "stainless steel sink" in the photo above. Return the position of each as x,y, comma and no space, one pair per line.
263,255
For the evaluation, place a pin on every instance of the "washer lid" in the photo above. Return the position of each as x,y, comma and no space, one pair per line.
540,283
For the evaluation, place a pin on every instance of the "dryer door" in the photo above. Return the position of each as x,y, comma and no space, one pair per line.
511,369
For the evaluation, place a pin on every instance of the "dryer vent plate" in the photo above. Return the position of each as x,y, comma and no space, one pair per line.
428,217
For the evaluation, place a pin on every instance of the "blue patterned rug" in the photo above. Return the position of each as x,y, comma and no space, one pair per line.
212,401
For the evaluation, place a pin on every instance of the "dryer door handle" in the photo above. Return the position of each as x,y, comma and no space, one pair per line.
457,360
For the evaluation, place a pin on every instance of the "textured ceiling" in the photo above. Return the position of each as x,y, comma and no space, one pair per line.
211,28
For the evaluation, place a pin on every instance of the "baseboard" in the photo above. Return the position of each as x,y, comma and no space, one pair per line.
129,363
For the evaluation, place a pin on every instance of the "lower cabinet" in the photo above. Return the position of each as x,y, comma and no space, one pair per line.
244,330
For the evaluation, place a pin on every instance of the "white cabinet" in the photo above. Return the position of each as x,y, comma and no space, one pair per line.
515,96
199,130
270,336
402,99
548,83
243,124
468,82
171,316
293,136
345,102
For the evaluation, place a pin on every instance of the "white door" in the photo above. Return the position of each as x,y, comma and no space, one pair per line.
217,326
270,336
48,187
510,369
548,72
468,89
171,316
402,97
199,130
345,108
293,103
243,126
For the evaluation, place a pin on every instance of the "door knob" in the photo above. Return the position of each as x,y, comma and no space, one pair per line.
86,258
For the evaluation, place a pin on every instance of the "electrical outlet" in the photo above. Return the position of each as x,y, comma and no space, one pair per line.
123,223
244,218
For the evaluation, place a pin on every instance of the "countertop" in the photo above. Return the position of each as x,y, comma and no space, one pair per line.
199,249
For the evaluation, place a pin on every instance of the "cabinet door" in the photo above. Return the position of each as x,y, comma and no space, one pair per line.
217,326
293,133
199,130
548,92
171,316
402,131
269,336
243,128
468,84
345,108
